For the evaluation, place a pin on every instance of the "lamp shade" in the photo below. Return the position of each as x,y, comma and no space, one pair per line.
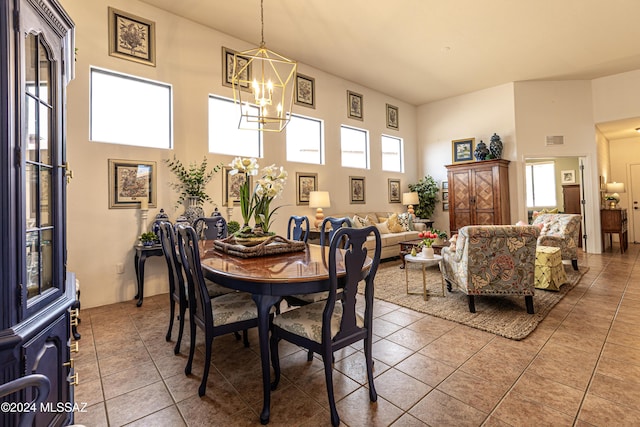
615,187
410,198
319,199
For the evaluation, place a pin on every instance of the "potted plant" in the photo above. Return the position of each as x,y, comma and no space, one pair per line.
148,238
428,191
191,185
442,236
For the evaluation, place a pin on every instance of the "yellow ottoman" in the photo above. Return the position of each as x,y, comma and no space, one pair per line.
549,270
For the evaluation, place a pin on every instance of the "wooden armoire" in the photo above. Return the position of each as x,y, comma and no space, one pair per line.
36,293
478,193
572,203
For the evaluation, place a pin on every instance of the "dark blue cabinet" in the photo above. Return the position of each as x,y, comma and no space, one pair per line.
36,64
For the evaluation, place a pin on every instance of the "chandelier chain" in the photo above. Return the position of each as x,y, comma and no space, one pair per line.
262,21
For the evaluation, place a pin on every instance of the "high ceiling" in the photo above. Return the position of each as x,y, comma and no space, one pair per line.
420,51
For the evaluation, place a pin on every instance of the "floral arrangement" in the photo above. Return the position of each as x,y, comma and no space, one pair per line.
192,180
427,238
258,205
148,238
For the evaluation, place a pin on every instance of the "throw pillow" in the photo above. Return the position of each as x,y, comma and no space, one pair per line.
521,223
404,219
452,242
393,224
364,222
382,228
355,223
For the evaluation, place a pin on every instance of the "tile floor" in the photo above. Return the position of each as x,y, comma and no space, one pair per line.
580,367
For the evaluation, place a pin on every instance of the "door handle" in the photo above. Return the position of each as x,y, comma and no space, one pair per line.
68,173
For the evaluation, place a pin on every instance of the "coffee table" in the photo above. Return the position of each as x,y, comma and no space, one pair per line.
424,263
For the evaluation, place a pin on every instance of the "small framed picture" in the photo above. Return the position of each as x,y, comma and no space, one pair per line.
305,91
229,58
357,190
354,106
445,196
131,182
462,150
445,206
231,186
132,37
392,117
445,185
394,190
305,184
568,176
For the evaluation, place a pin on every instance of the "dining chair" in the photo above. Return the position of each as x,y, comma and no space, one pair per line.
177,289
326,326
228,313
295,231
38,381
336,224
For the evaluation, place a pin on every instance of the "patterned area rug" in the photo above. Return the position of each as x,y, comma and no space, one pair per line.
505,316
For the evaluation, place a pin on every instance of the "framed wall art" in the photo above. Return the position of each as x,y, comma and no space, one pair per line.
227,69
305,183
132,37
445,206
445,185
356,189
354,106
305,91
231,186
131,182
568,176
393,121
462,150
394,190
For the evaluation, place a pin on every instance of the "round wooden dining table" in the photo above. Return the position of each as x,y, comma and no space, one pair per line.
268,279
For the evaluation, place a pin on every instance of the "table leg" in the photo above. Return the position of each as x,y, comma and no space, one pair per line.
140,260
264,304
424,283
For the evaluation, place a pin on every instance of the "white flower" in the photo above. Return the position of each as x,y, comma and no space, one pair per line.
248,166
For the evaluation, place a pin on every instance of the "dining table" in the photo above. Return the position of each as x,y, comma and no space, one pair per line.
268,279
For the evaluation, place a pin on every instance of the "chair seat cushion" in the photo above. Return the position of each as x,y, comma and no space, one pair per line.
233,307
306,321
215,290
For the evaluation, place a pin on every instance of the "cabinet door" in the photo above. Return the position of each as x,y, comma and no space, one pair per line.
484,197
41,183
460,197
46,354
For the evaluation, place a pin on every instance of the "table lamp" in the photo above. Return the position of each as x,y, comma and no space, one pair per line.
410,199
319,200
614,188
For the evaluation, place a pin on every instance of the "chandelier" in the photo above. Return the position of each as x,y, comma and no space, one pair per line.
263,85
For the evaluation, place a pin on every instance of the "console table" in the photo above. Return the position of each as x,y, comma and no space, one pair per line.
142,252
614,221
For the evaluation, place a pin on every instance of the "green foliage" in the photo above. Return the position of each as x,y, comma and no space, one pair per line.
192,180
149,236
428,191
232,227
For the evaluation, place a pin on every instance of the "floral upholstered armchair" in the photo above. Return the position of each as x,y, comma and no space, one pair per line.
492,260
561,231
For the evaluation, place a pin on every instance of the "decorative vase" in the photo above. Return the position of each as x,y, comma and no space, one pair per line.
481,151
427,252
438,241
147,244
495,146
193,210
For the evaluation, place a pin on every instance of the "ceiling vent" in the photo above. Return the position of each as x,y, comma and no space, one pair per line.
555,140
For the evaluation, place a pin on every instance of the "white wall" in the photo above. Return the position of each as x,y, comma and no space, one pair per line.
475,115
189,57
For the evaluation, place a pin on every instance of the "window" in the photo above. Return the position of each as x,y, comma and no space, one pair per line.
540,178
354,147
224,135
304,140
392,158
130,110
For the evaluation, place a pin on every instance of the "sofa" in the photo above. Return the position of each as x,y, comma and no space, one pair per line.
492,260
387,223
560,231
